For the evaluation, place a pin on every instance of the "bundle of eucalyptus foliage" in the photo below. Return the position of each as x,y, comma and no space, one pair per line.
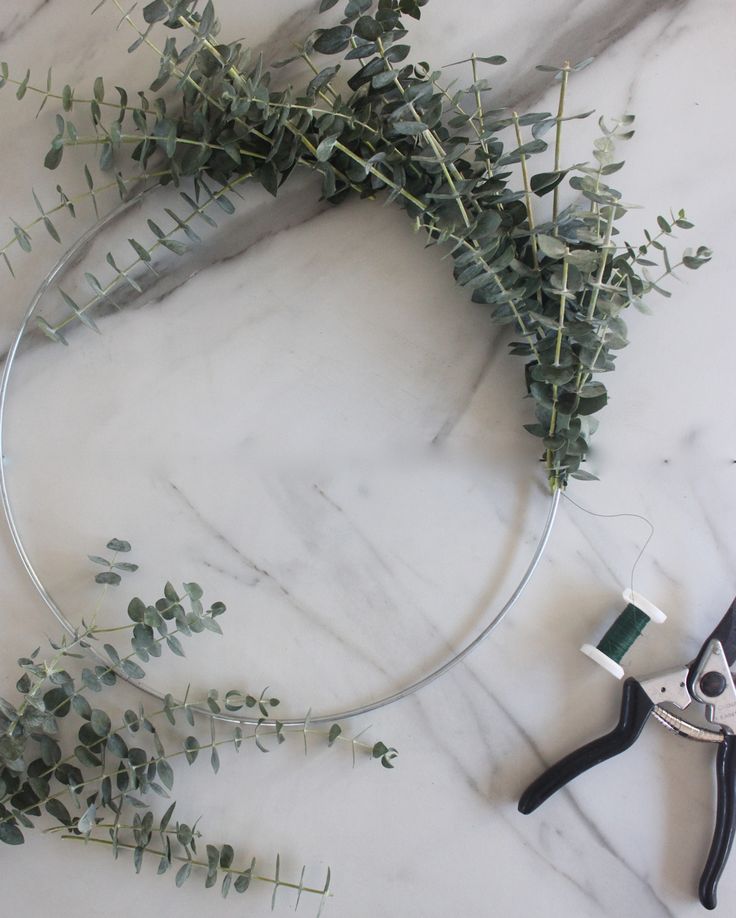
458,167
374,124
65,753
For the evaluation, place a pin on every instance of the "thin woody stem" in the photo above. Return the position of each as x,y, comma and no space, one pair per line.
529,202
552,466
558,138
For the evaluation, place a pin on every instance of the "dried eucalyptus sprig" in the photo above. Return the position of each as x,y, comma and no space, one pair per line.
119,761
559,279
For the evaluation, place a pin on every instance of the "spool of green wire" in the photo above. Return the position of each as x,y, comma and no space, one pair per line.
622,634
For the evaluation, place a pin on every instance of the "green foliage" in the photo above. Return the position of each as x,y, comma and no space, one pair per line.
441,153
385,754
114,568
93,777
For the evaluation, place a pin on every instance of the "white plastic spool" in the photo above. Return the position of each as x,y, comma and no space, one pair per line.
654,613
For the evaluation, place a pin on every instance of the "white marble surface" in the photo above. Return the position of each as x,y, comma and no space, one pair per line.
341,461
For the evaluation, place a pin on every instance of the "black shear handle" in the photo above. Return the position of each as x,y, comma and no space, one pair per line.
636,706
725,821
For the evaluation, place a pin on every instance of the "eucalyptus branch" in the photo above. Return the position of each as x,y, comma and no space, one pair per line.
190,862
102,293
122,138
190,752
22,233
67,97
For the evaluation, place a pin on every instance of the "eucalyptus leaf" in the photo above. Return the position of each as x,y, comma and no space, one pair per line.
166,773
332,41
550,246
86,821
191,749
10,834
183,873
100,722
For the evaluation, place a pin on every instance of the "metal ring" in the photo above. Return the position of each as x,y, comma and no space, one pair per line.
69,256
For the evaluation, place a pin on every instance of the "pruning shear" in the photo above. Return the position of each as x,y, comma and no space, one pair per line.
707,682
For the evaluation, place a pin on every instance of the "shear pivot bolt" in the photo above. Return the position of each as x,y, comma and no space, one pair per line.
712,684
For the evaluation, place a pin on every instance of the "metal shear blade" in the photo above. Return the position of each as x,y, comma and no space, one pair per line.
706,673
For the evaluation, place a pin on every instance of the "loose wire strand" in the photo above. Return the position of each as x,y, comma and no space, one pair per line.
614,516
